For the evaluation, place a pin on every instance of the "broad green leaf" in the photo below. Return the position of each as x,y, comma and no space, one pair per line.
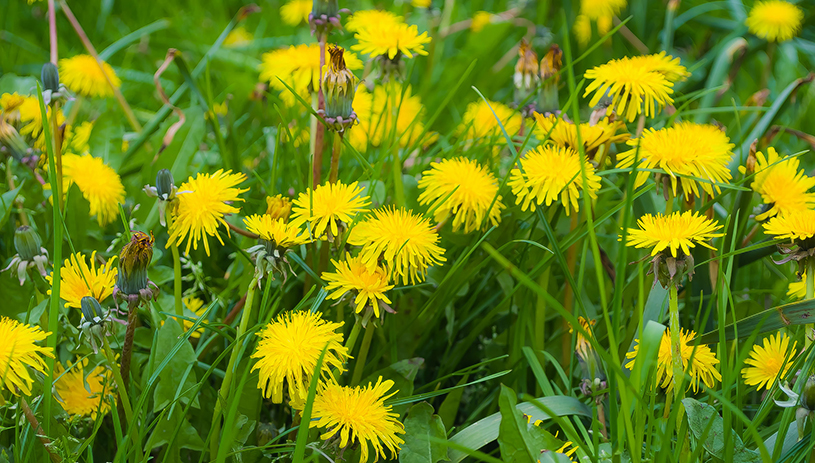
707,426
449,407
171,377
421,424
6,202
796,313
519,440
187,437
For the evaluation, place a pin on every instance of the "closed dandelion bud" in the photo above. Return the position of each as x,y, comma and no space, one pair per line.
27,242
132,283
526,73
278,207
324,14
50,77
94,321
339,86
549,68
165,186
808,394
11,140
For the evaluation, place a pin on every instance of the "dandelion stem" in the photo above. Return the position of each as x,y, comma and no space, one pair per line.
124,399
363,354
810,294
319,136
352,338
127,347
179,305
38,430
223,394
334,174
676,347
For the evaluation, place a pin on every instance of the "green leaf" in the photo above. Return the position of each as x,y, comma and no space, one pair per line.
707,426
187,437
519,441
420,425
796,313
6,201
171,377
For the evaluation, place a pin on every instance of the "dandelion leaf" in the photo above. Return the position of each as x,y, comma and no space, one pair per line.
170,379
707,426
421,425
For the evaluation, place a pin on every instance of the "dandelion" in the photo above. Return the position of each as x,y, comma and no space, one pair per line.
798,289
480,20
19,351
99,184
797,226
582,29
275,239
463,189
693,156
562,132
30,253
783,188
390,40
598,9
480,122
526,77
330,208
662,63
678,232
549,173
769,362
200,211
82,75
365,19
278,207
406,243
82,395
358,415
77,142
775,20
583,346
288,351
369,285
24,112
237,37
375,115
421,3
295,12
78,279
702,369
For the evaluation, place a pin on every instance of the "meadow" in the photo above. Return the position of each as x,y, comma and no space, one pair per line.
430,230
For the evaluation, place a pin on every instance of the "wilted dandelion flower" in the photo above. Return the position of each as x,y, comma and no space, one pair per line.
405,243
330,208
358,414
82,395
633,86
702,368
421,3
289,348
200,211
677,232
563,133
390,40
480,122
18,351
82,75
100,185
775,20
783,188
295,12
463,189
552,172
767,362
367,285
364,19
78,279
692,155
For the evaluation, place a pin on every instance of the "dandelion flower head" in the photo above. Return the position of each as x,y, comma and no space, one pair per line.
563,133
463,189
782,187
237,37
289,348
678,232
277,231
82,75
78,279
798,289
329,207
353,275
295,12
202,208
406,242
551,173
369,18
375,111
769,360
480,122
100,185
480,20
695,156
390,39
598,9
775,20
82,395
18,352
796,226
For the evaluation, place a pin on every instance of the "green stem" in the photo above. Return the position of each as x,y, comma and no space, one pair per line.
179,305
810,285
676,346
125,400
363,354
223,394
334,174
540,313
351,342
669,201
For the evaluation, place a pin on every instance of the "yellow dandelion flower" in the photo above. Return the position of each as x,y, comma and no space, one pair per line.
288,351
596,9
375,113
769,362
299,67
358,415
679,231
421,3
551,172
775,20
796,226
82,75
24,112
563,133
364,19
329,208
201,210
82,395
702,369
480,21
798,289
582,29
353,275
240,36
278,206
78,279
295,12
583,346
633,87
195,309
463,189
693,155
19,351
100,185
479,121
391,39
664,64
783,188
79,137
407,243
277,231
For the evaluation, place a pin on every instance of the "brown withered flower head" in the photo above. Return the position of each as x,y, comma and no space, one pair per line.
132,284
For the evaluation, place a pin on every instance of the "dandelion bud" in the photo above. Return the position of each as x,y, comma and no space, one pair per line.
91,309
30,253
339,86
50,78
549,68
526,73
165,186
278,207
132,284
324,15
94,323
808,394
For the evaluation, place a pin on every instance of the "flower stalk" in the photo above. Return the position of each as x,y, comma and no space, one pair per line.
363,353
676,342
